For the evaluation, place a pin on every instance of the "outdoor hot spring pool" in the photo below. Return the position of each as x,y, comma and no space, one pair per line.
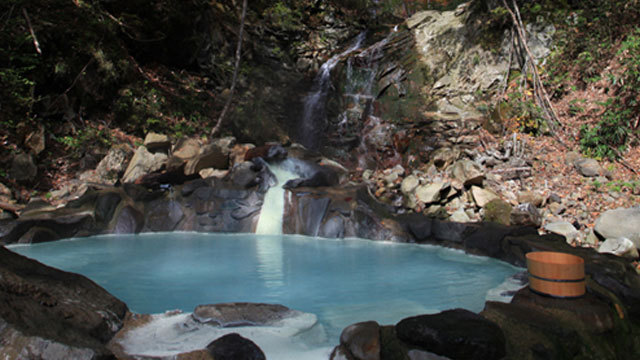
340,281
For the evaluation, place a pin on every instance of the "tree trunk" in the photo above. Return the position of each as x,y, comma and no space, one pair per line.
216,128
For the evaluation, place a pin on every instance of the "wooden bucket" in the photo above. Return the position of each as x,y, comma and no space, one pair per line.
556,274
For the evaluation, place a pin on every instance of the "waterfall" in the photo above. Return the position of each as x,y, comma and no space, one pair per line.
270,221
314,117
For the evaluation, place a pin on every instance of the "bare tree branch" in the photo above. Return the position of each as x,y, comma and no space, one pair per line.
33,34
216,128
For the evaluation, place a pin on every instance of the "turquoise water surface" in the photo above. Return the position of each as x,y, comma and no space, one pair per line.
341,281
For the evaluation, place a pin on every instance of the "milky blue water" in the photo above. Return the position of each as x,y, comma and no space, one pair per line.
341,281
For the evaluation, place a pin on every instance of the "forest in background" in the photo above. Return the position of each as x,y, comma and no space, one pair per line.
85,75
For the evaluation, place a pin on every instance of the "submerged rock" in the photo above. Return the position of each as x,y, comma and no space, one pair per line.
242,314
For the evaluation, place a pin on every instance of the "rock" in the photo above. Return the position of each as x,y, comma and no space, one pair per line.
38,234
457,334
242,314
620,223
460,216
498,211
157,142
235,347
143,163
267,152
211,172
186,148
526,215
482,196
591,239
556,208
238,153
563,228
163,215
23,169
46,313
362,340
391,178
409,184
443,157
430,193
588,167
128,221
467,172
571,158
417,19
35,141
113,165
534,198
620,246
424,355
210,156
340,353
5,193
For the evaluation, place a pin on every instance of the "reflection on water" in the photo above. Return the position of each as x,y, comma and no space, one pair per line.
269,253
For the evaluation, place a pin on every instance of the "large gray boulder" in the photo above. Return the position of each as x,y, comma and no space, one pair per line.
113,164
143,163
563,228
47,314
620,223
621,247
157,142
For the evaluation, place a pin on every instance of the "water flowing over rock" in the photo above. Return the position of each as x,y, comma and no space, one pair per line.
314,118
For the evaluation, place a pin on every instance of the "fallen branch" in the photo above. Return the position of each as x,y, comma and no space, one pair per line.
541,96
33,34
504,170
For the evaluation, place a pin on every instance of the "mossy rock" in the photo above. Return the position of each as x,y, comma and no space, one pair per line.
498,211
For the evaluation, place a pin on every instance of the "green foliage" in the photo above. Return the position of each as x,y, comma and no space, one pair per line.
284,16
86,138
609,136
527,114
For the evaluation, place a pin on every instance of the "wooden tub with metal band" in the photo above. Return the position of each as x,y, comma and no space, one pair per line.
556,274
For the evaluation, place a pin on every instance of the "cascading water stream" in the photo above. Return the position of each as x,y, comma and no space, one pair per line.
315,115
270,221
